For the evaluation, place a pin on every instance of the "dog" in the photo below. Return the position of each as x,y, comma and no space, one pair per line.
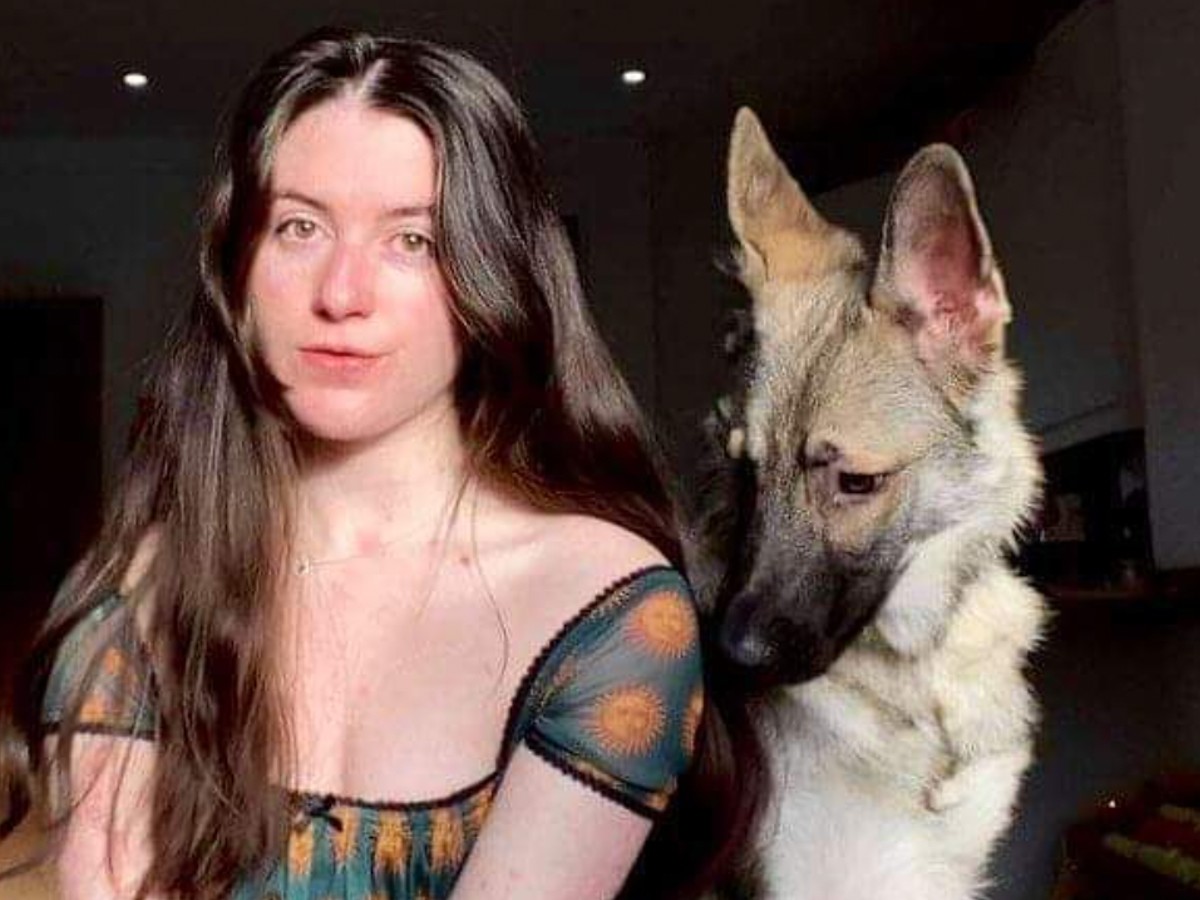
857,566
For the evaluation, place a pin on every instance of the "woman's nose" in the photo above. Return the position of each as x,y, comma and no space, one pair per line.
346,287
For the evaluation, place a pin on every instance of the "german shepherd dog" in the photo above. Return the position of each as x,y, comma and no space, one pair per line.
858,571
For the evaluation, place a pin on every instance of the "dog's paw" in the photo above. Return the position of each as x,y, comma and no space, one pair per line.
909,629
945,794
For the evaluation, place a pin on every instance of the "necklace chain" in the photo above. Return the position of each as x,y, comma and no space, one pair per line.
305,563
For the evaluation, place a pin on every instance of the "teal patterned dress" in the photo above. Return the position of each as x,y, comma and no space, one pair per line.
613,701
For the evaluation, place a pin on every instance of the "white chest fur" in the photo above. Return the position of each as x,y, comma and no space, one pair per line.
895,775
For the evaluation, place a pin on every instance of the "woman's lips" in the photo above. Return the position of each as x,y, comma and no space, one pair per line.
338,363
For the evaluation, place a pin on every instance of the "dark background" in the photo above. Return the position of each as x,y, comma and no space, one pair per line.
1081,124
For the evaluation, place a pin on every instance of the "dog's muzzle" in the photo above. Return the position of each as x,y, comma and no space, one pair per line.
770,650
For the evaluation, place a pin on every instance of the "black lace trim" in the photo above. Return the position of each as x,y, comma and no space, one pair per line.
525,686
324,800
555,755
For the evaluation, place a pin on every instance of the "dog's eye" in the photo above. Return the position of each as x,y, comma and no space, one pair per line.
854,483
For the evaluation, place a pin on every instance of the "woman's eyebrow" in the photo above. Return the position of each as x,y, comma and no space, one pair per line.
405,211
299,197
410,212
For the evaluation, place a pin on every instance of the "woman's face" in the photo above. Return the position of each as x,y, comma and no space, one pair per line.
350,308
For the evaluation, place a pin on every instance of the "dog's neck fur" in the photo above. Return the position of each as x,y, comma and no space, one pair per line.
916,614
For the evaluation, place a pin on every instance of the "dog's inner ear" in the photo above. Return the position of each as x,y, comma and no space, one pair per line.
936,270
780,232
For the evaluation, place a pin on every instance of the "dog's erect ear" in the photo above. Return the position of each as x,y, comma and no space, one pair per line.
936,268
767,209
763,195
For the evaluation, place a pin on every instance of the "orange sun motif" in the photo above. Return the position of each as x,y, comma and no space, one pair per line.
664,624
344,840
392,842
447,840
300,851
96,710
476,813
628,721
691,720
114,662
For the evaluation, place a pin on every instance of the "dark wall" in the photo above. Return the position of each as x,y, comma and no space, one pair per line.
50,452
1160,73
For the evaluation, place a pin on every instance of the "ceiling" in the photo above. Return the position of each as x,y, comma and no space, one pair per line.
846,80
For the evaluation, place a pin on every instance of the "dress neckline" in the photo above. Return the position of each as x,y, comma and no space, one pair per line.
327,799
515,706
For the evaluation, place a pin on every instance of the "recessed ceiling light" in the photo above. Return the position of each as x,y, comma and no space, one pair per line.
633,76
135,80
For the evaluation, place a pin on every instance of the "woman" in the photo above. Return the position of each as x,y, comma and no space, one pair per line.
386,604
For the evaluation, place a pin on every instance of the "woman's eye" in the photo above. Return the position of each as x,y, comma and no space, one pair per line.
413,243
297,229
859,485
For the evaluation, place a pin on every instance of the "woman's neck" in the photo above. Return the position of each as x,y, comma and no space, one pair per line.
357,499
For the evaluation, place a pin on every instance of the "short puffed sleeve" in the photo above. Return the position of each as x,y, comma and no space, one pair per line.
615,698
103,657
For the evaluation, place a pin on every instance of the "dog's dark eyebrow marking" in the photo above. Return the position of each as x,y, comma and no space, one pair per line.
824,454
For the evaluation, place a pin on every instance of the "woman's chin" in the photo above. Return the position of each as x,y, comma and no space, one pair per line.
338,423
326,433
345,418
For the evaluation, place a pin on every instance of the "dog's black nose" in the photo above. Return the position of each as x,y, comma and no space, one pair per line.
741,641
747,648
768,654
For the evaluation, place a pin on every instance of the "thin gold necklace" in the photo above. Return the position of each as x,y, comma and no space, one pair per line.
305,564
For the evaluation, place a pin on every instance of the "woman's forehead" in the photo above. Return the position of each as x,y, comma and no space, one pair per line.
345,152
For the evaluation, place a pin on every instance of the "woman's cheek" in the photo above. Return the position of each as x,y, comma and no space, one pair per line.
277,304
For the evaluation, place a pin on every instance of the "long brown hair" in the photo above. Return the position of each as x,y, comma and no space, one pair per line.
542,408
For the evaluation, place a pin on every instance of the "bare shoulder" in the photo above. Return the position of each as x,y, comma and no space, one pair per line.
142,561
546,567
136,580
580,556
592,543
